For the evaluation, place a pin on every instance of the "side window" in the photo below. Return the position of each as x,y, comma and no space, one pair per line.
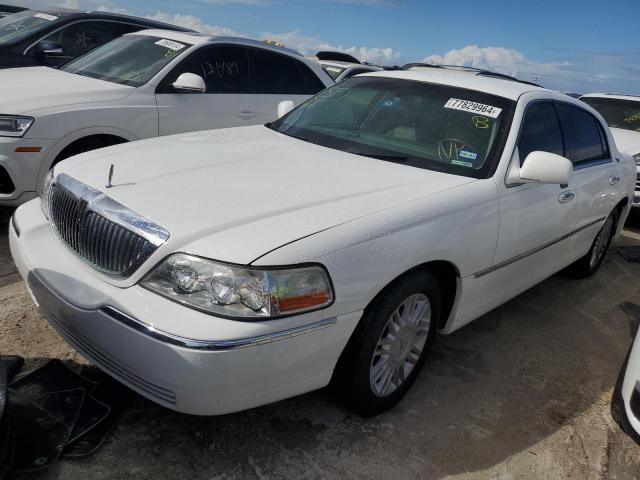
274,74
583,136
224,69
540,131
79,38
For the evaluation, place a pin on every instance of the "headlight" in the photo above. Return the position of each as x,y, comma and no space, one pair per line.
636,157
46,193
14,125
240,292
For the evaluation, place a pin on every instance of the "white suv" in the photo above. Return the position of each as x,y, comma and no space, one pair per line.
622,113
146,84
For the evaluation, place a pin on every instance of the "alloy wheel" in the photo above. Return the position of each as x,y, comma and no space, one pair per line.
400,345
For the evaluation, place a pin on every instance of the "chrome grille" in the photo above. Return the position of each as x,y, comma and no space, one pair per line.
111,238
638,181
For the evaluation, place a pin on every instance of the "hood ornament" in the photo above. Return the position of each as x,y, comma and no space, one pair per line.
109,185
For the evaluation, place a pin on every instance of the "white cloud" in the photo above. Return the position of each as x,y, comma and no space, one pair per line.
311,45
194,23
585,73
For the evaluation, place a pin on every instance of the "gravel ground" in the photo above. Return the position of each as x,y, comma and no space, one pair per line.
523,392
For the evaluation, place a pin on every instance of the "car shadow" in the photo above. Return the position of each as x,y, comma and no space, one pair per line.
496,388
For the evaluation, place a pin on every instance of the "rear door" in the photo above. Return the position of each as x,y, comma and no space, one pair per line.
597,176
275,77
535,219
226,102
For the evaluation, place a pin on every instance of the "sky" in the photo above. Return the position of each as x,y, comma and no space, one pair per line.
569,45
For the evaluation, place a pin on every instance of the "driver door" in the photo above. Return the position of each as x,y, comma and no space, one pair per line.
226,102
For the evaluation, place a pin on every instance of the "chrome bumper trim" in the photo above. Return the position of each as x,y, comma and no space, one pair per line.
214,345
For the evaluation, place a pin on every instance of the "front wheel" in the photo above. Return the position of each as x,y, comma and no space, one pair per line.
391,344
590,263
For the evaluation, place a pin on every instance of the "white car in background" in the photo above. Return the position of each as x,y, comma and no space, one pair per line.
218,271
341,66
622,113
142,85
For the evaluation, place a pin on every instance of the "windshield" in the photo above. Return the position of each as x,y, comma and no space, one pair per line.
617,113
419,124
19,26
333,71
130,60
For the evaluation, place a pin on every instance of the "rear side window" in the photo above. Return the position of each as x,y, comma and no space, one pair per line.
540,131
275,74
584,139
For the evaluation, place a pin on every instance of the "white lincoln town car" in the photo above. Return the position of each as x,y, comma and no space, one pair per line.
222,270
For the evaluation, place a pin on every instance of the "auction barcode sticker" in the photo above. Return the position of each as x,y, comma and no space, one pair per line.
170,44
46,16
473,107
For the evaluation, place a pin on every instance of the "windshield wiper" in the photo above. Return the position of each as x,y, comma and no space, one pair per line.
378,156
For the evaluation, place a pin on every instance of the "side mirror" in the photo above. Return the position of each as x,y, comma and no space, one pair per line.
50,48
189,83
285,107
545,167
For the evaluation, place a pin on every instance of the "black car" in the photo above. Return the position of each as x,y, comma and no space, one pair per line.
53,37
9,10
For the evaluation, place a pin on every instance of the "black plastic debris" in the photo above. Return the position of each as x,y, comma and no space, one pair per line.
630,253
6,435
54,412
108,392
42,433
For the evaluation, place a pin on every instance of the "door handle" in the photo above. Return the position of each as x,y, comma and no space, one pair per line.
614,179
247,115
566,197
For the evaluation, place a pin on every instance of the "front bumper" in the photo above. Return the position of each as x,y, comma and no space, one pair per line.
21,171
209,375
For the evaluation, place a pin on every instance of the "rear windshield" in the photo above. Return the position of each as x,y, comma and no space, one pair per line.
19,26
412,123
131,60
618,113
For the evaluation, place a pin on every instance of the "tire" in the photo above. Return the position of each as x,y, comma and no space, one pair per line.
376,371
590,263
618,412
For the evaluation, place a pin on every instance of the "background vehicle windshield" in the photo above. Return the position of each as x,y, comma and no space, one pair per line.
333,71
618,113
415,123
19,26
130,60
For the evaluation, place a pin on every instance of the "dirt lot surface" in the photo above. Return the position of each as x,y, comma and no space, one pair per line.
523,392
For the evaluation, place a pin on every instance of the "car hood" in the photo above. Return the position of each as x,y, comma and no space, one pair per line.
236,194
34,88
626,140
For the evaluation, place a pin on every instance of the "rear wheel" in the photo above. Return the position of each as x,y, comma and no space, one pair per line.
391,344
590,263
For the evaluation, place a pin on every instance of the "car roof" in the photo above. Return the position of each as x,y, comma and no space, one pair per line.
616,96
195,38
336,63
469,79
68,12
